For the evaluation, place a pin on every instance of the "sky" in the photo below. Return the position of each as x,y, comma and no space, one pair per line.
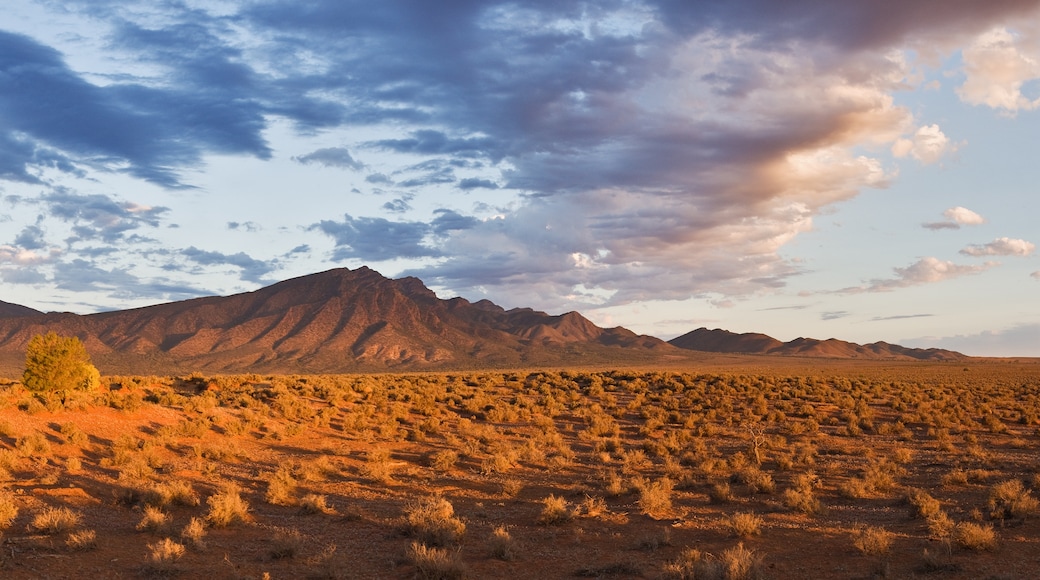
866,170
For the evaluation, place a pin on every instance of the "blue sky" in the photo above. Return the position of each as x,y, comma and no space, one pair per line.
865,170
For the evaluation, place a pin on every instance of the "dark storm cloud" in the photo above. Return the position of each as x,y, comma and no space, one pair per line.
253,270
376,239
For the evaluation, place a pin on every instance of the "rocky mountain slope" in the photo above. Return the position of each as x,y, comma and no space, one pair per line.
335,321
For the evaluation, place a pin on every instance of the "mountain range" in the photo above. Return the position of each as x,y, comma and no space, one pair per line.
360,321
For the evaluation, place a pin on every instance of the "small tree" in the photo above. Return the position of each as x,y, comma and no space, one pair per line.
58,363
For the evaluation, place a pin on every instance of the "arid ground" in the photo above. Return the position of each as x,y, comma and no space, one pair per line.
789,469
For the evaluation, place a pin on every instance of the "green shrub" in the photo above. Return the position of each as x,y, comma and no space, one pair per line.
58,363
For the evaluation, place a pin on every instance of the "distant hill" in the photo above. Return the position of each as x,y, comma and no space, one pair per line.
8,310
336,321
724,341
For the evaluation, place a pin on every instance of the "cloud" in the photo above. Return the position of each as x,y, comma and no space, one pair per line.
925,271
376,239
253,270
646,148
834,315
955,218
900,317
928,145
1036,274
99,216
331,157
996,66
476,183
119,283
1001,247
244,226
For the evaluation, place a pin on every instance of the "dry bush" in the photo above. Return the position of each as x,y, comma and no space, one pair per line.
976,537
744,524
501,544
286,543
153,520
1011,499
73,434
922,504
721,493
655,499
178,492
55,520
194,533
654,538
555,510
34,444
591,507
436,563
313,503
227,507
281,487
163,556
740,563
802,496
873,541
8,509
444,460
378,466
432,520
941,526
82,540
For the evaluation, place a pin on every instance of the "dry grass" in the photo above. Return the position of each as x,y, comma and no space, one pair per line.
436,563
56,520
432,521
744,525
873,541
976,537
555,511
227,507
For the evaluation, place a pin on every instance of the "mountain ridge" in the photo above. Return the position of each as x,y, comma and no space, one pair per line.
345,320
724,341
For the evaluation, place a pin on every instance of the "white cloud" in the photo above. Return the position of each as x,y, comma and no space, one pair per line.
1001,247
23,257
955,218
996,66
927,145
925,271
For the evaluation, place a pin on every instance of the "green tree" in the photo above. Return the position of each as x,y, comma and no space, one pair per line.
58,363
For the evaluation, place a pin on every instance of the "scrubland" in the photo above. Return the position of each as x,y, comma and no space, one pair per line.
883,470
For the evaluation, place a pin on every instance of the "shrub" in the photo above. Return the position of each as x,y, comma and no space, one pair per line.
501,544
164,554
1011,499
972,536
873,541
922,504
8,509
554,511
55,520
194,533
432,520
655,499
154,520
227,507
436,563
57,363
313,503
744,525
740,563
82,540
